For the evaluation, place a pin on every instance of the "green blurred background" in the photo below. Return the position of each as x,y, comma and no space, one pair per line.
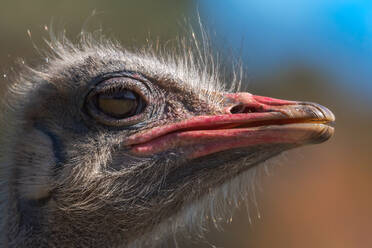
317,196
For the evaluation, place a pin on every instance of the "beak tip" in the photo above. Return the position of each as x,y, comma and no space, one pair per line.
324,135
327,114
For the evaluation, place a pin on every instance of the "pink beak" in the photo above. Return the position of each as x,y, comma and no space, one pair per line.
248,120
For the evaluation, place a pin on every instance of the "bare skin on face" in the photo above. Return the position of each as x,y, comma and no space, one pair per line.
104,147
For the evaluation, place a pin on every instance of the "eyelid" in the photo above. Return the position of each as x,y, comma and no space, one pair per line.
113,84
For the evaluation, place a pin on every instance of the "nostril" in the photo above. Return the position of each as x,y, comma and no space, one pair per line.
237,109
243,109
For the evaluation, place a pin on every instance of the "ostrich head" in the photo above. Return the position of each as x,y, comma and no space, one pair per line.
103,147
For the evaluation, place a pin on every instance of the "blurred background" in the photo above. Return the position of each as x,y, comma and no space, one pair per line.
313,50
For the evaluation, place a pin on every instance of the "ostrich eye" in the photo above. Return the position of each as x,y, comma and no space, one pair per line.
121,104
118,101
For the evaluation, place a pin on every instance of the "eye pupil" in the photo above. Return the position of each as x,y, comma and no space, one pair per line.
122,104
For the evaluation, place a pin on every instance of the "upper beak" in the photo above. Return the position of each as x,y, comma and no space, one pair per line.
247,120
294,111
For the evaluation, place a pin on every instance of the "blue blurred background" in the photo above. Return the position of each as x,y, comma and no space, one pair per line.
331,36
313,50
328,36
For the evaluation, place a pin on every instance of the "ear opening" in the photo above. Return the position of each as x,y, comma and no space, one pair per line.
35,163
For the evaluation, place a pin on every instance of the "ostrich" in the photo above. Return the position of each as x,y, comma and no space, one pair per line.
105,147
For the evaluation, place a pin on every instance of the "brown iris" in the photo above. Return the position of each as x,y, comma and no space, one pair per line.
122,104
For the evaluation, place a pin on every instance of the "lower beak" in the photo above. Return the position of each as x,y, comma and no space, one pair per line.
247,120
